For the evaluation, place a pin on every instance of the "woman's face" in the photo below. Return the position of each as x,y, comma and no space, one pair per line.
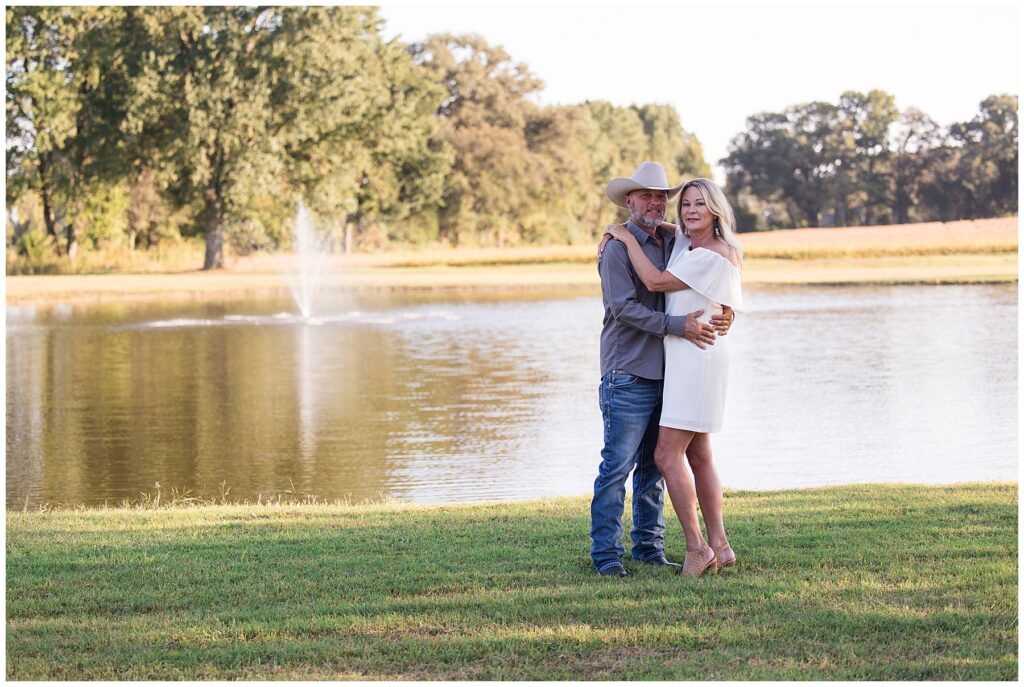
694,212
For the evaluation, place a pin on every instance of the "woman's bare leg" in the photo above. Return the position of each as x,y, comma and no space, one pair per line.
668,455
708,488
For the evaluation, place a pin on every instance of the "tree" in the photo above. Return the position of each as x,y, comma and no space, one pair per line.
666,140
827,163
988,157
563,176
622,137
915,138
484,115
789,157
864,123
55,123
203,91
355,116
255,107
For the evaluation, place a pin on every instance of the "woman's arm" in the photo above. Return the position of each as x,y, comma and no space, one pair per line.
653,278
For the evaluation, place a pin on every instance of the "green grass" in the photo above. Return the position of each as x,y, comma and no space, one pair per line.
876,582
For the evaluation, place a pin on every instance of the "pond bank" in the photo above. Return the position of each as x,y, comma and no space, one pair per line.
957,268
863,582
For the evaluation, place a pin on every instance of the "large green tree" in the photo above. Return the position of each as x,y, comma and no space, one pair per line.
201,95
484,113
788,157
58,111
354,117
915,139
865,120
987,157
620,138
255,107
862,162
668,141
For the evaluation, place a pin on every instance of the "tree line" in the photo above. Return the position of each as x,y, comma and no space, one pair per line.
862,161
134,126
141,124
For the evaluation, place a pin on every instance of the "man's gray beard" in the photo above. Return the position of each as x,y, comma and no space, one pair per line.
649,223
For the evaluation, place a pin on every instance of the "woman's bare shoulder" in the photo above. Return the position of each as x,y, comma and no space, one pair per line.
726,251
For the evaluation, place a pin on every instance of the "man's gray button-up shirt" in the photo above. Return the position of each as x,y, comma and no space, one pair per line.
634,318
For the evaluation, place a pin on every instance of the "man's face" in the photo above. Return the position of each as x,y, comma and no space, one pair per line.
647,207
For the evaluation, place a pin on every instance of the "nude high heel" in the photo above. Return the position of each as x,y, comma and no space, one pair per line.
726,556
700,561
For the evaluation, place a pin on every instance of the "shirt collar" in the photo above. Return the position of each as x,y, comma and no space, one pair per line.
667,236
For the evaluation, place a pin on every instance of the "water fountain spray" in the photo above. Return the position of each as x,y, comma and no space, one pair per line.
311,263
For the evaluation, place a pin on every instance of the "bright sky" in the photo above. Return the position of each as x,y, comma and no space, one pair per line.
718,65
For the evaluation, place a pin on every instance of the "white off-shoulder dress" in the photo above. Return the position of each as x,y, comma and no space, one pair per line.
695,379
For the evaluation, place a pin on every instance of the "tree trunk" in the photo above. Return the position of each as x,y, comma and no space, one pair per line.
349,227
902,214
72,237
213,216
794,213
49,214
810,210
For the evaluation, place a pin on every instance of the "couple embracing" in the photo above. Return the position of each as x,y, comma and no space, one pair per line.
669,294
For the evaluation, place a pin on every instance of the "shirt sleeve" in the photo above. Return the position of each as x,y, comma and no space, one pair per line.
620,294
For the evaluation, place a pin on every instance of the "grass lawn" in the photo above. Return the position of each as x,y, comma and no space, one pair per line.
877,582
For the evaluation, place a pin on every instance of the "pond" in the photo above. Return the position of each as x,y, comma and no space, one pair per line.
444,397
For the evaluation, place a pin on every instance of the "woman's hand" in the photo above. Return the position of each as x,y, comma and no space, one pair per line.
722,322
608,236
618,231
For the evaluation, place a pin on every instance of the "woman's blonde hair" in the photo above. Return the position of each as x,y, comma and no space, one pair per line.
725,220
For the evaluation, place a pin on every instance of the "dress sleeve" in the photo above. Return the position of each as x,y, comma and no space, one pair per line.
710,275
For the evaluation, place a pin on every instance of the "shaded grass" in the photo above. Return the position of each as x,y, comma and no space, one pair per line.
859,583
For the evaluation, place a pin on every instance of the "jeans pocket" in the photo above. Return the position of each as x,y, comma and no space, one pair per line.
619,379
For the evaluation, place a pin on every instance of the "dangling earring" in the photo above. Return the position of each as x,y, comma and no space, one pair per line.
686,232
718,230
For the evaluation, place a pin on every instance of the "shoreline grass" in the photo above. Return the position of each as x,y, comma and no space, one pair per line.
964,252
887,270
862,582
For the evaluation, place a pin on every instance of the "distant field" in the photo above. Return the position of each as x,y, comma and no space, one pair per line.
933,238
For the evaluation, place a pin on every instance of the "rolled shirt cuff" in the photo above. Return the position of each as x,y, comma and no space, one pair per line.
675,325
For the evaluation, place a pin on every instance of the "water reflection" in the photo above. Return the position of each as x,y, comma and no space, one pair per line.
431,398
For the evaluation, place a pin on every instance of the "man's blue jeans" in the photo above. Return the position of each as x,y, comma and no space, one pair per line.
631,407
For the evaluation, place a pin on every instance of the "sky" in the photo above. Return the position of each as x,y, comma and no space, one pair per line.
720,64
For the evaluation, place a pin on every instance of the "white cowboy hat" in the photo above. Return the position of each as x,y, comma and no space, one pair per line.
649,175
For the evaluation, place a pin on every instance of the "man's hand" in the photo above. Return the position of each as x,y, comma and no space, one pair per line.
696,332
722,322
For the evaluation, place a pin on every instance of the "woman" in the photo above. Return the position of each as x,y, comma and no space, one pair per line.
702,273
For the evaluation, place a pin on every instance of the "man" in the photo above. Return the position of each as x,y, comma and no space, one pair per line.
632,369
